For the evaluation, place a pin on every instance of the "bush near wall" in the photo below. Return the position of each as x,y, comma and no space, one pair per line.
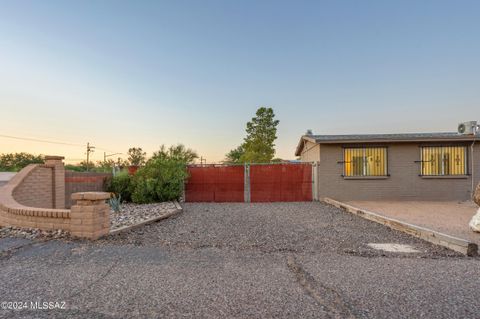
160,180
121,184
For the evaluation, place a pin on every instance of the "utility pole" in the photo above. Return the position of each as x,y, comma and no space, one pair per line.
90,149
202,160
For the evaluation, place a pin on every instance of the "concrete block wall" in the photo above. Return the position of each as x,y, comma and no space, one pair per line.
403,182
76,182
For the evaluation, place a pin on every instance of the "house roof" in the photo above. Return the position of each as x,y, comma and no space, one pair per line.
385,138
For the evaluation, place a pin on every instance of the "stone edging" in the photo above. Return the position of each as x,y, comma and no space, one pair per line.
457,244
148,221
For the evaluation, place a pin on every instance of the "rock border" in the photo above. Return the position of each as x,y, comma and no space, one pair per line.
457,244
148,221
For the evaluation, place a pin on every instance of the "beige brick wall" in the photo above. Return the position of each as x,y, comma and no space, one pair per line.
404,182
36,190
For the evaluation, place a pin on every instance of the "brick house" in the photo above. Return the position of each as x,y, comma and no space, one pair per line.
419,166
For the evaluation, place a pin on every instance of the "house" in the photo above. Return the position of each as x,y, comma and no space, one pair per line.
418,166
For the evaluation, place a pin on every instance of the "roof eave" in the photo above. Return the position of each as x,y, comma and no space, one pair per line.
356,141
301,143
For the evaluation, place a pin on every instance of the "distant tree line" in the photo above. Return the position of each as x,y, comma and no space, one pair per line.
13,162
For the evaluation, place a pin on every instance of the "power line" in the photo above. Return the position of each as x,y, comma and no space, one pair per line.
39,140
51,142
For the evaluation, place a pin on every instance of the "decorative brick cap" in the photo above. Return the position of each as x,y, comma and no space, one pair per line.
54,158
90,196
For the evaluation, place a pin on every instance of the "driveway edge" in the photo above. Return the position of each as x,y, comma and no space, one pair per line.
178,210
457,244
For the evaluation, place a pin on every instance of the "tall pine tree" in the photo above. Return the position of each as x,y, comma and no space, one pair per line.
259,145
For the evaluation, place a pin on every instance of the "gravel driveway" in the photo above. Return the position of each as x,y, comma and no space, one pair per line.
285,260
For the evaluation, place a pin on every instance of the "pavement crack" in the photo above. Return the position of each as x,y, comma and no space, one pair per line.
9,253
328,298
93,282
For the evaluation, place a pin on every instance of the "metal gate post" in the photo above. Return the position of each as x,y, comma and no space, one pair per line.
246,186
315,181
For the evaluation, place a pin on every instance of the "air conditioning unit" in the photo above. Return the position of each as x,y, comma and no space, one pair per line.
468,128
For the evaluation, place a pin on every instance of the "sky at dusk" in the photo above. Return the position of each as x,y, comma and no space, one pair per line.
119,74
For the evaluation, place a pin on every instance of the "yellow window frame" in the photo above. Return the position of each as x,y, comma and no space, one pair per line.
365,161
444,160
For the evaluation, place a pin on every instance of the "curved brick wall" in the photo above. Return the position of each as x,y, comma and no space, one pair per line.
38,178
35,198
27,200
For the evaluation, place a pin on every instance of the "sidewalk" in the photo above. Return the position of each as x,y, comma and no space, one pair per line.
5,177
451,218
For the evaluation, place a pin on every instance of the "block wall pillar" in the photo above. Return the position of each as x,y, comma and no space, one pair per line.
90,216
58,191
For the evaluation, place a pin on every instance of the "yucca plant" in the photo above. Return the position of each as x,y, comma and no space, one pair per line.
115,202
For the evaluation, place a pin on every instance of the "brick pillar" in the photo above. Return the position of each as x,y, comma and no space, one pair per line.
90,216
58,191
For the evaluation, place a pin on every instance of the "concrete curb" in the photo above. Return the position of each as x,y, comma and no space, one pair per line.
148,221
457,244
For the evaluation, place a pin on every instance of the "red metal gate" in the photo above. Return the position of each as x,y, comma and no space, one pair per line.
281,183
255,183
215,184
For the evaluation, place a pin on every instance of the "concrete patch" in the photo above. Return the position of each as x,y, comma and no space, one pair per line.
394,248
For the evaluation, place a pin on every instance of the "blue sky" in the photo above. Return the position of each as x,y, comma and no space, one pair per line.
137,73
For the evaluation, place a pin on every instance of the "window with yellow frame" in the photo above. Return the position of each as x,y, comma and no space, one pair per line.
365,161
444,160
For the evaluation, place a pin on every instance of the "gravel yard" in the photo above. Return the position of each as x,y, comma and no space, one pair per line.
279,260
273,227
131,214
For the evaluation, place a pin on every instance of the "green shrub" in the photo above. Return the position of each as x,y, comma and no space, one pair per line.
161,179
121,184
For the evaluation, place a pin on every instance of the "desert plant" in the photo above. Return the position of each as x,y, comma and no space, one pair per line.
115,202
176,152
160,180
121,185
136,156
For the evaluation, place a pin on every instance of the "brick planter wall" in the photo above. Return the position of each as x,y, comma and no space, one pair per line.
35,198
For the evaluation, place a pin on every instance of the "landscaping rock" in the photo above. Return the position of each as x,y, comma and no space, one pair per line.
132,214
32,233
